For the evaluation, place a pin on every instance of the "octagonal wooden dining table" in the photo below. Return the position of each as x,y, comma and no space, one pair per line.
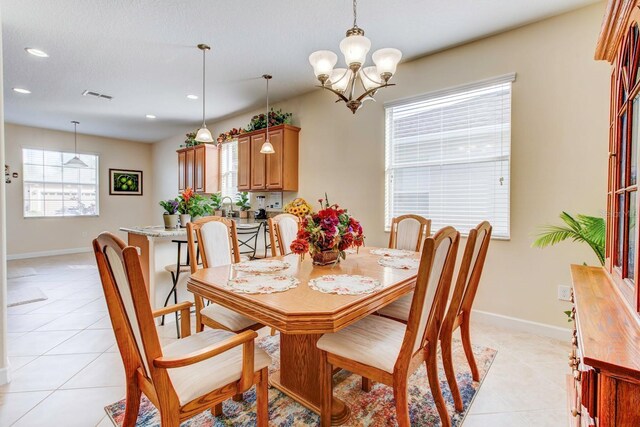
303,314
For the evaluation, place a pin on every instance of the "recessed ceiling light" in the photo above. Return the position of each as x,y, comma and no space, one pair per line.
150,116
21,90
192,96
36,52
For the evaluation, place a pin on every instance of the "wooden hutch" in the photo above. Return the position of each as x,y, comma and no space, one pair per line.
604,388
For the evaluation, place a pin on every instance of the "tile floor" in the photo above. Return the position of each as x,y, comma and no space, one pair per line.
63,357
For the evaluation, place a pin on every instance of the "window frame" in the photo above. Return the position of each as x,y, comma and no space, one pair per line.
506,78
621,106
62,151
220,174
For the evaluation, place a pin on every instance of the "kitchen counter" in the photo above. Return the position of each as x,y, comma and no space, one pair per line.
160,231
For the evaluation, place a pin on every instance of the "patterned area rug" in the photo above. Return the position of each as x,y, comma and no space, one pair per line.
375,408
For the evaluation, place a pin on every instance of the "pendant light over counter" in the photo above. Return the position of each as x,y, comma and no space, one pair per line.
267,147
75,161
204,134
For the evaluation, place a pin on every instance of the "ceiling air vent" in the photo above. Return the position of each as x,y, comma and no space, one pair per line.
97,95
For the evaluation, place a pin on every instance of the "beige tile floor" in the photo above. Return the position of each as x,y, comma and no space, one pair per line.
66,368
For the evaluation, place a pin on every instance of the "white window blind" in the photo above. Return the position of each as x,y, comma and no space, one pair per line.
229,169
448,156
51,189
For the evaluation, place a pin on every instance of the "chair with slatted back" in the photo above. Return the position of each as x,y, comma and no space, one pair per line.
407,232
217,241
283,230
188,376
388,351
459,311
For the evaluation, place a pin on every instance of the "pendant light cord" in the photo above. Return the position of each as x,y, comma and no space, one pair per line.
268,118
75,139
204,92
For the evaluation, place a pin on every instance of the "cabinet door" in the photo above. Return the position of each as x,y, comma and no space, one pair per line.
258,169
189,162
181,170
244,164
274,161
199,165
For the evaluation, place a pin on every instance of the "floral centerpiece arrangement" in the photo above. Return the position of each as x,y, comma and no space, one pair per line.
230,135
327,234
275,118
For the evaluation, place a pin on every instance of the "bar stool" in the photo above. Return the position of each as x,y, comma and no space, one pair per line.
248,241
175,270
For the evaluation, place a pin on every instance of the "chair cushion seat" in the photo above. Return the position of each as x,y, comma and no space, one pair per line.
373,341
171,268
193,381
228,318
398,309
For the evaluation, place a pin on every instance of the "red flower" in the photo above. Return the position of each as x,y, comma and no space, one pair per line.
346,241
358,240
299,246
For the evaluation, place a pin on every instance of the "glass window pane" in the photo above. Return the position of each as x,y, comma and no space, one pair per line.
621,216
33,173
53,173
622,154
71,175
34,157
631,257
53,158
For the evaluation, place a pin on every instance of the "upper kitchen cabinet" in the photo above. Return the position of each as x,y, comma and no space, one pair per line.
272,172
198,168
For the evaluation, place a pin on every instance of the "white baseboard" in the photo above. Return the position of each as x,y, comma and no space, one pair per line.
521,325
26,255
5,375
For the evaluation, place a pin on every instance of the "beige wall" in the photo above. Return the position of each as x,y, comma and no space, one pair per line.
559,150
58,234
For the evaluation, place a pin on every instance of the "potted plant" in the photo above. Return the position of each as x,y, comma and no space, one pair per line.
243,204
327,234
184,205
198,206
170,213
216,204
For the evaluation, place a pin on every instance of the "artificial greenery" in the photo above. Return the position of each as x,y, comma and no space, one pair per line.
275,118
583,228
190,140
243,201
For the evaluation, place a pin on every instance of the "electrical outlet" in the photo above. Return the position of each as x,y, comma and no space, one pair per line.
564,293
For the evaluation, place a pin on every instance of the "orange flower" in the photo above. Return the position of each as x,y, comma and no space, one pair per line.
187,194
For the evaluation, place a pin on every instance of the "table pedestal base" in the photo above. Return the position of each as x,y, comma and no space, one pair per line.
299,375
340,412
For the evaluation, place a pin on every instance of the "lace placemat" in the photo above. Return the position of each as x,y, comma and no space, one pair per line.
262,266
401,263
344,284
261,284
398,253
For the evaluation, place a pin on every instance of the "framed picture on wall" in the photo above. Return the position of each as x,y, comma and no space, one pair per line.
124,182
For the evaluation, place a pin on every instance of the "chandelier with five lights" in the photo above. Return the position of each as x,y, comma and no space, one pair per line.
345,81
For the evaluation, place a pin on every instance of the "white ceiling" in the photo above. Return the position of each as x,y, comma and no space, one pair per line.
142,52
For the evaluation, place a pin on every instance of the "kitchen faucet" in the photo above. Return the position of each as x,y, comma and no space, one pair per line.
229,213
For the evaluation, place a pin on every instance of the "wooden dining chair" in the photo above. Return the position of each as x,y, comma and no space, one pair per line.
387,351
188,376
459,311
216,238
283,230
407,232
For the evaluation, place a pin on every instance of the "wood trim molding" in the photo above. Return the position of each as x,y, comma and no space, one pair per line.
613,28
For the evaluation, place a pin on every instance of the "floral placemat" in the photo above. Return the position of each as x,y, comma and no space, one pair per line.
344,284
262,266
261,284
398,253
401,263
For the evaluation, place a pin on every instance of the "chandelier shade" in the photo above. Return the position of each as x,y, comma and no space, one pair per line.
344,82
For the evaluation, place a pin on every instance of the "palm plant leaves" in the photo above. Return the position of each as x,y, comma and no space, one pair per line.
583,228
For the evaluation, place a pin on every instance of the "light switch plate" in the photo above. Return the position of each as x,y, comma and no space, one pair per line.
564,293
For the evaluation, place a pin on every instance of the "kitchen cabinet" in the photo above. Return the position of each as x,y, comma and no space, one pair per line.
269,172
244,163
198,168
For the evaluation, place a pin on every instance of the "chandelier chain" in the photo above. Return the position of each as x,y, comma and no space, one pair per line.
355,13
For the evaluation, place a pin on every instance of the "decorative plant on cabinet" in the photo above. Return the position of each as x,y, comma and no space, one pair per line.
244,204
